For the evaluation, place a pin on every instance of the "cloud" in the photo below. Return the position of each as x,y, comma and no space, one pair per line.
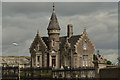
112,57
101,29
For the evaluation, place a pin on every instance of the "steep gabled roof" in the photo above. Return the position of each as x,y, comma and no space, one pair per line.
62,41
84,35
72,40
45,39
38,40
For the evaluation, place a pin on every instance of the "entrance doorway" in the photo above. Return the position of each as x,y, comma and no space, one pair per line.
53,61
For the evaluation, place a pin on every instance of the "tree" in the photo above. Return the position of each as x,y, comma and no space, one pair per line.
109,62
105,60
94,57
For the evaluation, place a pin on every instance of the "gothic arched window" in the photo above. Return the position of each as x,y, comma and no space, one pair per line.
38,60
38,47
84,45
53,43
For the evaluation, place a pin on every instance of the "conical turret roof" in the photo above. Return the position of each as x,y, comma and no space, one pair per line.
53,25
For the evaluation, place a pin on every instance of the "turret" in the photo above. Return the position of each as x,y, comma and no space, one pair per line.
53,33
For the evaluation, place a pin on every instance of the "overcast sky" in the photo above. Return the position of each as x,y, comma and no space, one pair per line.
0,30
60,0
21,21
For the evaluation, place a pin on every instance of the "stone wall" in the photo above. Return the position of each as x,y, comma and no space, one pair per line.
110,72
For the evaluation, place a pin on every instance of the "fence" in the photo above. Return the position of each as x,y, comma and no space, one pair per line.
82,73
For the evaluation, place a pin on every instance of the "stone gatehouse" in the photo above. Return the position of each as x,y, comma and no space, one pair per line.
72,51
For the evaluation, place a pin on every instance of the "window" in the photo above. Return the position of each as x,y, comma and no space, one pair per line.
67,62
84,45
75,61
53,42
85,60
38,47
38,60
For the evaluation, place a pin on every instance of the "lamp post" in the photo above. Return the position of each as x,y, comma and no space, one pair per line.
15,44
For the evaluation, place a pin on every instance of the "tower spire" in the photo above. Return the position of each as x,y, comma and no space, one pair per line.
53,24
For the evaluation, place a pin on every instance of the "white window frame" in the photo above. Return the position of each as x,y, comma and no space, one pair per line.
85,60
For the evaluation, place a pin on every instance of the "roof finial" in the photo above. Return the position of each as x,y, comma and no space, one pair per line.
53,6
84,29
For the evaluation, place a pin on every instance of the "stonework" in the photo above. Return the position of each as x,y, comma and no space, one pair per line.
72,51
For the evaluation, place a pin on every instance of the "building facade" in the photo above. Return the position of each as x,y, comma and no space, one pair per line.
72,51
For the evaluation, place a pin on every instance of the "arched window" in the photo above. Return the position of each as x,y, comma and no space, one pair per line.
85,60
53,43
38,60
38,47
84,45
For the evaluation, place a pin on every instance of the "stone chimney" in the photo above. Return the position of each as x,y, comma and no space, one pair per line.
69,30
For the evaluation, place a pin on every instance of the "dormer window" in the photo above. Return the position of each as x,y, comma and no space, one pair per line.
84,45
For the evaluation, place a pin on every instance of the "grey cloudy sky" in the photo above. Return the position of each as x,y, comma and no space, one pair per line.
21,21
0,29
60,0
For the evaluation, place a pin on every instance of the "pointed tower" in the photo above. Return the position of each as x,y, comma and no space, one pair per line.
53,32
53,25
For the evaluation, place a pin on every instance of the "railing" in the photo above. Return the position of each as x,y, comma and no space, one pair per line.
83,73
48,73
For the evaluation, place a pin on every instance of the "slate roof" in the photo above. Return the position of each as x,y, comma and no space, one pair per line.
37,40
53,25
72,40
45,39
62,41
15,60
